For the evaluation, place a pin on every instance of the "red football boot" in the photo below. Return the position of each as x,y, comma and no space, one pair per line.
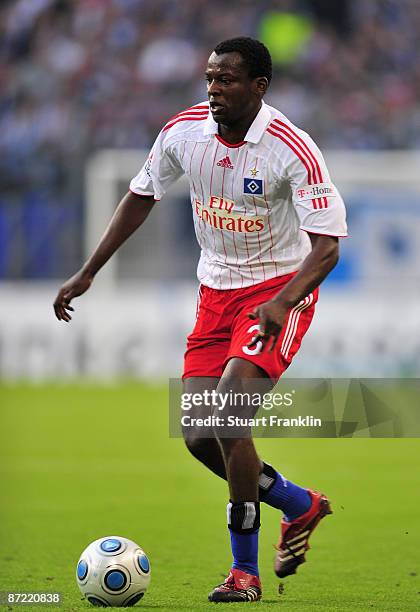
295,535
238,586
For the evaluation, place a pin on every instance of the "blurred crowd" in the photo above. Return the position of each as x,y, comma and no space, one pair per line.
79,75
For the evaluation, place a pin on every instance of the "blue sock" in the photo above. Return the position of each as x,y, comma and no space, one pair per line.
245,551
283,494
243,520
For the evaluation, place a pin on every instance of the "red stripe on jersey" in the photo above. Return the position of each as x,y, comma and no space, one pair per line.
211,183
246,239
199,107
202,223
197,113
192,109
297,152
189,118
310,153
312,178
258,234
269,227
232,191
308,150
221,233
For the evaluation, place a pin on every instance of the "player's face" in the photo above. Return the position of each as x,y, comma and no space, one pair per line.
233,95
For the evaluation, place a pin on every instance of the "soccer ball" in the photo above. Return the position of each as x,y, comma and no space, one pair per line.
113,571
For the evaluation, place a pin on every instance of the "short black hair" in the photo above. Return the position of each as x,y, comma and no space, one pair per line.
255,54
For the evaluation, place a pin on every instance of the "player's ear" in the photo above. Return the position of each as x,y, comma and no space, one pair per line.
261,85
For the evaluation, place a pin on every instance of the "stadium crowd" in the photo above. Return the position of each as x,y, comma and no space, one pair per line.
79,75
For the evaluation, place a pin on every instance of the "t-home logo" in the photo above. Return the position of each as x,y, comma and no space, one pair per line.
320,190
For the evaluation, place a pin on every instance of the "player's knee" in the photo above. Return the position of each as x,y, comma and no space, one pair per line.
198,447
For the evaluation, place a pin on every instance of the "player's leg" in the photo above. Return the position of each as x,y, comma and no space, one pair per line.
241,379
302,507
274,489
248,476
207,346
201,441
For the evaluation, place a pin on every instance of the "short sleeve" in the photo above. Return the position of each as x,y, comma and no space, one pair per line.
159,172
317,201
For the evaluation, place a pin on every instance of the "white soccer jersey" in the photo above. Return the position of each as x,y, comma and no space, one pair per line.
251,200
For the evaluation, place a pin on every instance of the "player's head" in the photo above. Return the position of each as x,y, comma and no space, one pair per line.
238,74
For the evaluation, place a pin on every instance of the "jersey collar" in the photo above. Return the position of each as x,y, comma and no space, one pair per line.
255,131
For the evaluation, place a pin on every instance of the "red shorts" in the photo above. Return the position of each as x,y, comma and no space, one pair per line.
223,329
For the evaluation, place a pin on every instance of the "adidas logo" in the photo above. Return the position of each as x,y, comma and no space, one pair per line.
225,163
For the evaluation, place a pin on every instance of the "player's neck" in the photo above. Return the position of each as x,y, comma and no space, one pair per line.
237,131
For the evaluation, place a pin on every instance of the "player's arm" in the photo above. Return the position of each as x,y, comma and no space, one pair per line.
315,268
131,212
161,169
324,220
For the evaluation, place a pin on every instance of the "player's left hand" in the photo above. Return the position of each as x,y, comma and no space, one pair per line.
271,316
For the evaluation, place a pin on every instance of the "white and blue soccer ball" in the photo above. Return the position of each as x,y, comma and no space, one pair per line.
113,571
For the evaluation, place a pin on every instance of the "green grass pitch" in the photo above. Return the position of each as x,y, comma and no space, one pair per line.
81,462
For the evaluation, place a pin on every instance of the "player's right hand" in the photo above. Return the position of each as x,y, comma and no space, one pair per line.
75,286
271,317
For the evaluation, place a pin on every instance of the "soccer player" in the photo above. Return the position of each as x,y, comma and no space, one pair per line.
268,219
